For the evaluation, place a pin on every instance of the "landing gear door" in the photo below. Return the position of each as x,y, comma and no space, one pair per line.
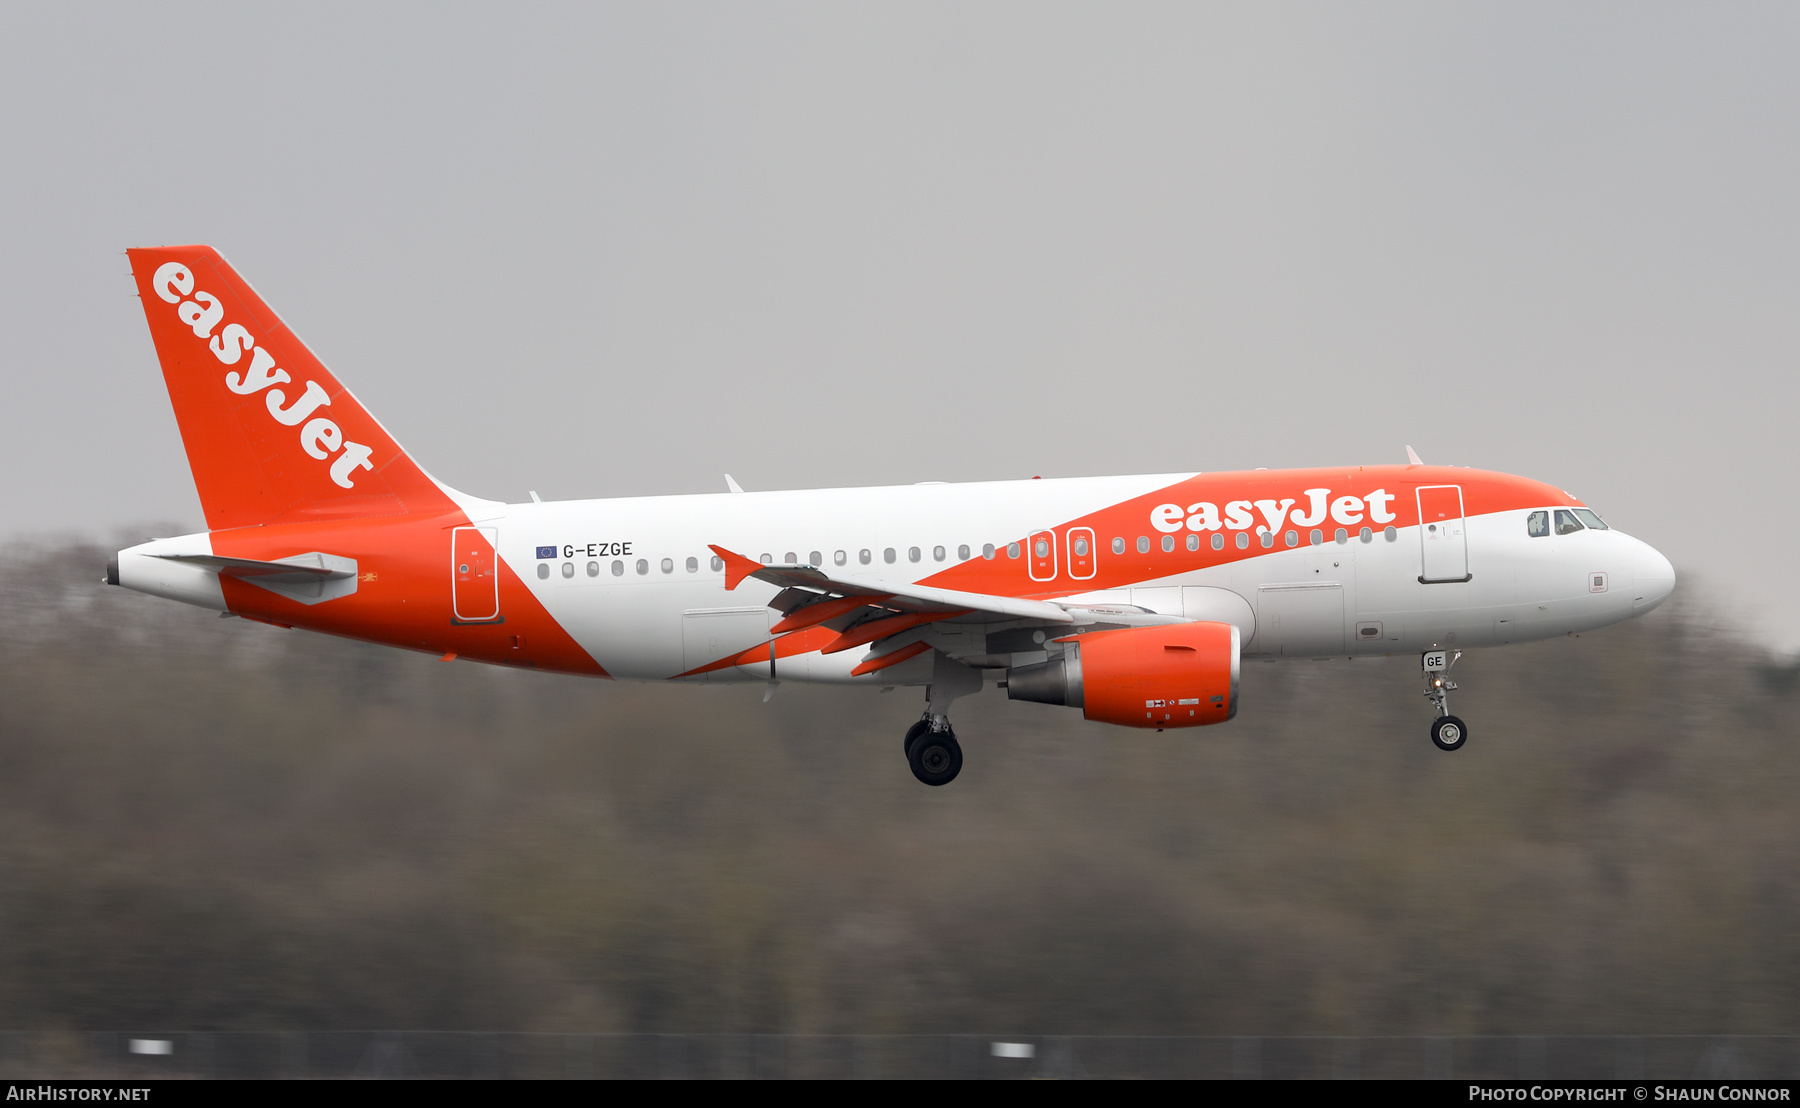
474,575
1444,547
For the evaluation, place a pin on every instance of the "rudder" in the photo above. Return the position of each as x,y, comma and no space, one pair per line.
270,433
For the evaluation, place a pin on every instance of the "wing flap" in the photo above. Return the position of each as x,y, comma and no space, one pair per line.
899,596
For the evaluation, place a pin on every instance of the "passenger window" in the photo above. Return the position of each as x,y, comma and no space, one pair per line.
594,568
1012,550
888,555
1118,546
1168,543
962,552
543,571
912,553
1587,516
1243,540
838,558
668,565
643,566
717,563
1537,524
1366,535
693,565
863,556
1267,537
1292,539
814,558
768,559
1218,541
1143,544
1566,523
1193,541
788,558
937,553
1343,536
568,569
1318,539
987,551
619,568
1390,534
1041,548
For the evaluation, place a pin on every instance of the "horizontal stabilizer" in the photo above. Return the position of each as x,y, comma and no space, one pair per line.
302,567
310,578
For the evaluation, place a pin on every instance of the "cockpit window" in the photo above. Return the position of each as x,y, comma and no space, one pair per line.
1587,516
1537,524
1566,523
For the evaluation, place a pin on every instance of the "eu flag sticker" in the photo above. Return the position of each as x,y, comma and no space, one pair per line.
546,551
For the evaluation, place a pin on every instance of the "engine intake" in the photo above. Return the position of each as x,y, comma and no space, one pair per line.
1178,675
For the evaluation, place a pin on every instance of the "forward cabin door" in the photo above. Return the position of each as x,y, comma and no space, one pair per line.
474,575
1445,548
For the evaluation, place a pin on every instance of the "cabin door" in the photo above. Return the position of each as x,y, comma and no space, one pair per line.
1445,549
474,574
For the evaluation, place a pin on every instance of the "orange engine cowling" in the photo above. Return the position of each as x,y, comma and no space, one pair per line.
1175,675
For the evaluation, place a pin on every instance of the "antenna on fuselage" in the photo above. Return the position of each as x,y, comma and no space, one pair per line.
1412,458
735,487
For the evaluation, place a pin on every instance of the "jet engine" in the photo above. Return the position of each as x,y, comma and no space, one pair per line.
1174,675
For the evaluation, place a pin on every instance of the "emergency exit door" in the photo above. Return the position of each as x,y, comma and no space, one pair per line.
1445,549
474,574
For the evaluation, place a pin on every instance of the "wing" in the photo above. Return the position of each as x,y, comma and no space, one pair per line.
865,611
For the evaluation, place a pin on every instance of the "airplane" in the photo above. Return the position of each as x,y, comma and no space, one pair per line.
1133,599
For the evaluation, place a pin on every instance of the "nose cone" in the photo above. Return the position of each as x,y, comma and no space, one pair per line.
1655,578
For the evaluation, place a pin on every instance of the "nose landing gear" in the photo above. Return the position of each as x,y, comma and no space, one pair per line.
1447,731
932,750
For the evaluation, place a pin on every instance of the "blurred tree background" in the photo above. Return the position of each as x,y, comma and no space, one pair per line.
213,824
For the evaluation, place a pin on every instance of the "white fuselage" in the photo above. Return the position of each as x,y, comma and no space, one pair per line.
661,609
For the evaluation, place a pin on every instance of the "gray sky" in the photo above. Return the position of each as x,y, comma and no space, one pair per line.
599,249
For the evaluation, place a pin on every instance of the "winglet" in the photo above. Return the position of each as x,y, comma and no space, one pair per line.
737,567
731,485
1412,458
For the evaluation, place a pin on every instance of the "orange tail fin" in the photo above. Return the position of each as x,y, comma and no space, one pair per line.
270,433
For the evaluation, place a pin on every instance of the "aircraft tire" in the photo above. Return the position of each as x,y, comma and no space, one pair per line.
1449,733
936,758
913,733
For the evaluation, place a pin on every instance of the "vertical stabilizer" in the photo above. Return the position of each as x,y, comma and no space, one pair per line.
270,433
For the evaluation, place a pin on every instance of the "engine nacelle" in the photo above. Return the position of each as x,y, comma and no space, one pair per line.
1175,675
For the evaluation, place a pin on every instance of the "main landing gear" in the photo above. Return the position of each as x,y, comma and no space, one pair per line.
1447,732
932,750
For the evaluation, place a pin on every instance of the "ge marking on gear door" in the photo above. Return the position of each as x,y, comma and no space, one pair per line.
1137,601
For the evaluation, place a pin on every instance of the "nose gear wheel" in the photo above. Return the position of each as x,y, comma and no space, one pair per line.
1449,733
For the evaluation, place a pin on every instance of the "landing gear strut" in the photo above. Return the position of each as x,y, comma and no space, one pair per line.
932,751
1447,731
